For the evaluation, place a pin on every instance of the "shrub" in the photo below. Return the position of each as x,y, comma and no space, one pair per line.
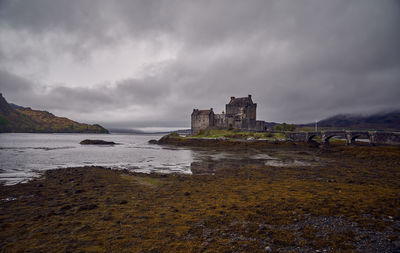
3,121
268,134
285,127
174,134
237,136
204,132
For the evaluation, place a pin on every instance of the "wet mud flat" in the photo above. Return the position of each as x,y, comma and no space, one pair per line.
351,203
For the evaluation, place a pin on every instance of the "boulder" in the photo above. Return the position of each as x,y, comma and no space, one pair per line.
96,142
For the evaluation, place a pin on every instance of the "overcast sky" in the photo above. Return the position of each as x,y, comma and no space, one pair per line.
149,63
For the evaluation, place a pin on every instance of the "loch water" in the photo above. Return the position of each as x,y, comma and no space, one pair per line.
24,156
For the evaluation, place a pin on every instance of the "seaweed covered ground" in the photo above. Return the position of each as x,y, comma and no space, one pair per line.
227,143
350,204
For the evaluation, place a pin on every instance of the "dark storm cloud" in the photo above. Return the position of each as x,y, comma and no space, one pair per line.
302,61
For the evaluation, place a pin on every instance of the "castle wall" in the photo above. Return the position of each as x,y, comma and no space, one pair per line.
261,126
201,121
241,117
219,121
251,124
251,112
232,110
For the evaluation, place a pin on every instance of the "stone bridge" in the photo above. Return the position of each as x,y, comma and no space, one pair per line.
374,137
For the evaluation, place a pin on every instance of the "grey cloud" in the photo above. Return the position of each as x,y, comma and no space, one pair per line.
301,60
82,99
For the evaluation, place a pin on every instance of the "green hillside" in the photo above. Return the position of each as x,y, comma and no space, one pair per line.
18,119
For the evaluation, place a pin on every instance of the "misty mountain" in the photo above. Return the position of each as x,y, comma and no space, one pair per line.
379,121
15,118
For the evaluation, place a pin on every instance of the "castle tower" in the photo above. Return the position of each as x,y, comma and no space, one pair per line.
241,113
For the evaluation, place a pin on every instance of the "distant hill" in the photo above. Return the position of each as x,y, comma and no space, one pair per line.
18,119
379,121
125,131
136,131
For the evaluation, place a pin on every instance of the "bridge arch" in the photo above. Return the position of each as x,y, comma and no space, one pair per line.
327,136
311,137
351,140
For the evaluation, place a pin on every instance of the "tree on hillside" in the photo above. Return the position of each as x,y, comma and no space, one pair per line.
285,127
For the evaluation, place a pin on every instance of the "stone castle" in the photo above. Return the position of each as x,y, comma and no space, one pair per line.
240,114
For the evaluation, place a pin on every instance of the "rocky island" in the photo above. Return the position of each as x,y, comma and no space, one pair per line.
96,142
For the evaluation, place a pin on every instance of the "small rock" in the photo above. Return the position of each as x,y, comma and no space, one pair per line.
268,249
106,217
84,228
66,207
262,227
204,244
87,207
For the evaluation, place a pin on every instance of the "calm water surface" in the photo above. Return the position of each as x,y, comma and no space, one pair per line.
25,156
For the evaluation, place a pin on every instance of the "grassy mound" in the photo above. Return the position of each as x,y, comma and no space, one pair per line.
237,134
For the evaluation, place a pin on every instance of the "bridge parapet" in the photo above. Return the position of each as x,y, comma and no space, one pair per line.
391,138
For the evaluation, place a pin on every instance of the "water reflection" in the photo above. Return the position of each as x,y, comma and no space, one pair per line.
209,161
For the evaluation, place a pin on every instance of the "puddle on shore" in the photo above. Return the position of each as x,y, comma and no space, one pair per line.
294,163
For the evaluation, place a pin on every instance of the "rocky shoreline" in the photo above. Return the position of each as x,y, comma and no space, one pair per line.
352,204
227,142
